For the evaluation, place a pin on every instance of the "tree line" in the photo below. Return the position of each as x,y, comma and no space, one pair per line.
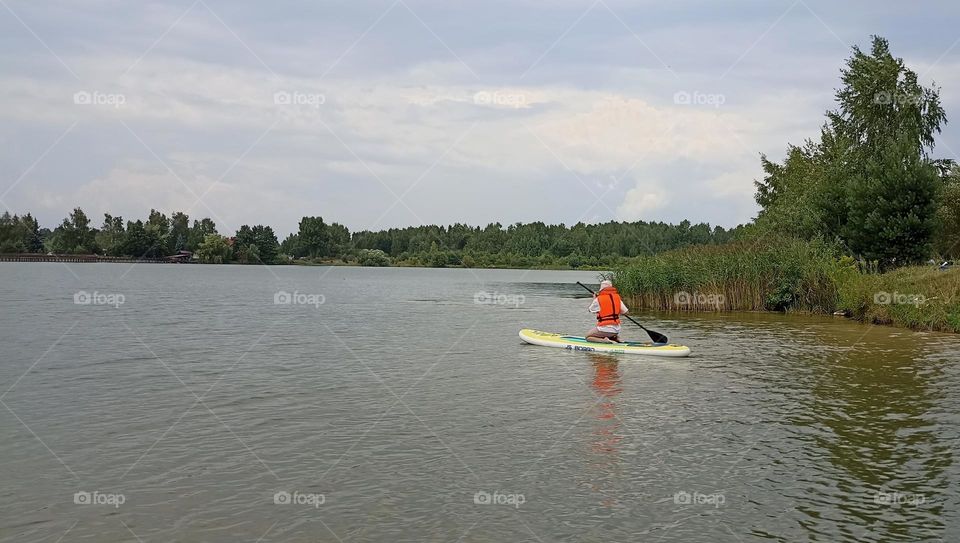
516,245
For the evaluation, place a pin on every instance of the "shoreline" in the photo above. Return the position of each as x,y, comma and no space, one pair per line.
82,259
96,259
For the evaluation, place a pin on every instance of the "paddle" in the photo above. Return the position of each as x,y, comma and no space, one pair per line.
656,337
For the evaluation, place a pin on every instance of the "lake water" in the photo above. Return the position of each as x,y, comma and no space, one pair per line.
184,404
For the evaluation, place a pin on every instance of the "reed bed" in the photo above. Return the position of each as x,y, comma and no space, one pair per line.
740,276
792,276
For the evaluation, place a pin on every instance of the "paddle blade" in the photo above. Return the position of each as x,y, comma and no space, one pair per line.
657,337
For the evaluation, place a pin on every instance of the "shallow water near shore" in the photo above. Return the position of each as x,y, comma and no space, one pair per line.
245,403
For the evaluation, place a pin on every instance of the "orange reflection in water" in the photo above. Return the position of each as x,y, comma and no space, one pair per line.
606,383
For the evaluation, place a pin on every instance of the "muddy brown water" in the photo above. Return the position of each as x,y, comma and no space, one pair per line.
229,403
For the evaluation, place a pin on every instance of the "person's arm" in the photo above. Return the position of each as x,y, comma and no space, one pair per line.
623,308
594,306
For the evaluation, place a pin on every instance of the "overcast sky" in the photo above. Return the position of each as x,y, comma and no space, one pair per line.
402,112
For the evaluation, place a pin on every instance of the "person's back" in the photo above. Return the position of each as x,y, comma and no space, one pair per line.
608,307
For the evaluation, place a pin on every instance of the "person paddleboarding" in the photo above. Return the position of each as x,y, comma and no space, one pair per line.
608,307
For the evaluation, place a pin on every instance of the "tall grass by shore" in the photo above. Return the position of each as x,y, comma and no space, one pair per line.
791,275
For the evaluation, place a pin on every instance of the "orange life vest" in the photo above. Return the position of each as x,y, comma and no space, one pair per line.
609,313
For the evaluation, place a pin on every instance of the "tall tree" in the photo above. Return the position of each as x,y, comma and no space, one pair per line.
256,245
885,127
142,240
74,235
199,232
9,236
179,232
214,249
893,206
290,246
112,235
869,181
947,237
31,238
313,237
158,229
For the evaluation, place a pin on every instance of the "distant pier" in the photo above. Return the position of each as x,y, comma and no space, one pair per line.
30,257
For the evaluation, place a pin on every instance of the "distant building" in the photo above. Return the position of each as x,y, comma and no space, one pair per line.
181,256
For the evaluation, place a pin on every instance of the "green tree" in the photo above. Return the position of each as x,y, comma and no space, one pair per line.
885,127
869,181
214,249
74,235
881,101
10,241
893,207
142,240
20,234
29,234
314,237
158,229
339,239
198,233
792,194
179,232
256,245
112,235
947,237
291,246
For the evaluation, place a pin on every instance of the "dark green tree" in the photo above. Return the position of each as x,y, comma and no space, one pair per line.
256,245
869,181
314,237
199,232
214,249
179,232
143,240
290,246
893,207
112,236
74,235
947,236
885,127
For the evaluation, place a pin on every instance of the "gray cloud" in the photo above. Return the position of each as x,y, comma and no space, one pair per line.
495,112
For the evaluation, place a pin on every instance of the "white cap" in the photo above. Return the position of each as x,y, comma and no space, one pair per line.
605,284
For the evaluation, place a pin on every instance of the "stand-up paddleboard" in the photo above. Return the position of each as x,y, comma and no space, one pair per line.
577,343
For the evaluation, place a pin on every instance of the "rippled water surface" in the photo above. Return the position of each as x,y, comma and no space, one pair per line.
400,402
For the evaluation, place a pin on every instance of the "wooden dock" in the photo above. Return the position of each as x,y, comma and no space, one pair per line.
96,259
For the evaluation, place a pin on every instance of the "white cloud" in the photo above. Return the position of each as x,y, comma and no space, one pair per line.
736,183
642,202
395,129
397,106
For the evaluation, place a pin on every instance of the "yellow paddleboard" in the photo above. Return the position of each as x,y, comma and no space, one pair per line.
579,343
